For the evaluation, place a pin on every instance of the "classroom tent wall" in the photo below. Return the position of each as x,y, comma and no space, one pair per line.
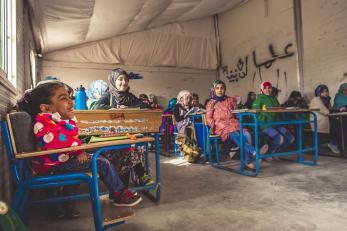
173,57
255,26
172,42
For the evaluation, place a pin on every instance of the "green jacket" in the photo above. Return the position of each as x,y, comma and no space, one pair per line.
268,101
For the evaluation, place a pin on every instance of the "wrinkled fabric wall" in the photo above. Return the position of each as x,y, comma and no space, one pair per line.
163,82
188,45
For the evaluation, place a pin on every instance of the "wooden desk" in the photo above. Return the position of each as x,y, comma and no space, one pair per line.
118,122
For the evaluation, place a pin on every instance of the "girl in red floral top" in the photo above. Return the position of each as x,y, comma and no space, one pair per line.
51,106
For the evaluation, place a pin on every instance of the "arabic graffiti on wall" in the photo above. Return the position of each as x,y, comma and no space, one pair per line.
241,69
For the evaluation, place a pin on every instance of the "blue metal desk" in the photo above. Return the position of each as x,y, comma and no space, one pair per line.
298,122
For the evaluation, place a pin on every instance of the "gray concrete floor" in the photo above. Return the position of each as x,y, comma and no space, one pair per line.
285,196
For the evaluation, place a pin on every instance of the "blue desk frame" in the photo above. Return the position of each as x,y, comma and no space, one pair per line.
25,182
255,124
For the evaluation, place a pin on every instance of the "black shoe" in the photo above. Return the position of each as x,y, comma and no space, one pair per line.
71,210
56,211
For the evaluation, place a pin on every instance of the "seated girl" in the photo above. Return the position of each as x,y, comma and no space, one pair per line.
325,125
279,136
182,111
340,105
251,96
224,123
51,106
95,90
168,111
118,96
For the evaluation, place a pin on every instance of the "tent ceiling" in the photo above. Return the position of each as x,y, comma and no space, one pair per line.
63,23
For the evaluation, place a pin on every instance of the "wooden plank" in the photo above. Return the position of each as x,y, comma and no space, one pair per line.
84,147
112,214
118,122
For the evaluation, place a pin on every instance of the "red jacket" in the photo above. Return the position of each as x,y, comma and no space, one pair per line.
51,134
219,117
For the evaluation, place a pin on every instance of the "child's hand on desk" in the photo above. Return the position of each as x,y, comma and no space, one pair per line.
82,158
342,109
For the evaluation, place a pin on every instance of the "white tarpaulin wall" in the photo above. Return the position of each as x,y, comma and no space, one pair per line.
189,44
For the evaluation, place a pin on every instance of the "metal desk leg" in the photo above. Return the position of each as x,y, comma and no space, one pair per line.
342,136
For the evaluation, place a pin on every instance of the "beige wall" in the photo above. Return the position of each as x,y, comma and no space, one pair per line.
253,27
163,82
325,43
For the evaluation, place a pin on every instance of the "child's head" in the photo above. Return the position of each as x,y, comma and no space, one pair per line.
96,89
266,88
219,88
184,98
119,80
322,91
343,89
195,97
251,96
144,98
48,97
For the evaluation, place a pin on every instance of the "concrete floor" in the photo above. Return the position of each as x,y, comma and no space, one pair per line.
285,196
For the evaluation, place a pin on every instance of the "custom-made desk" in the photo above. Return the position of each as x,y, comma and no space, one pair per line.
299,121
112,122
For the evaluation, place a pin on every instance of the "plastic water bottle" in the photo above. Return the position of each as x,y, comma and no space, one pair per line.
81,98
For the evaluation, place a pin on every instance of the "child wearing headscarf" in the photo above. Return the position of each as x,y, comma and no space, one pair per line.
295,99
223,122
168,111
340,101
250,99
279,136
340,105
118,96
94,92
325,125
181,111
186,138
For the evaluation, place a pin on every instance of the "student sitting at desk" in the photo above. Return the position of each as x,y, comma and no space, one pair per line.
340,104
186,132
279,136
51,106
224,123
340,101
325,125
118,96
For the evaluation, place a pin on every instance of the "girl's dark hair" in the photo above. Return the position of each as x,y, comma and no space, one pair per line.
41,94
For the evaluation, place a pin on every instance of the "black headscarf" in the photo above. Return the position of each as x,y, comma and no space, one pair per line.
122,97
326,100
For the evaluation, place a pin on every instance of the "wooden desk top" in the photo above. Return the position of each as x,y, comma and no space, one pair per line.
84,147
338,114
118,121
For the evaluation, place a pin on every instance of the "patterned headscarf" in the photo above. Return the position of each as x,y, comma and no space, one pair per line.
319,89
97,86
113,76
213,92
326,100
